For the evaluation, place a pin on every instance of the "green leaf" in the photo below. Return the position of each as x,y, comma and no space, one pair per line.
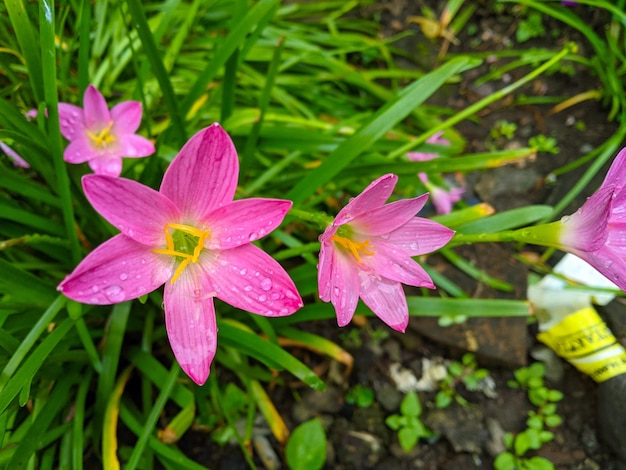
306,448
269,353
539,463
510,219
381,122
456,369
553,420
410,405
521,444
407,438
395,422
443,399
504,461
535,422
554,395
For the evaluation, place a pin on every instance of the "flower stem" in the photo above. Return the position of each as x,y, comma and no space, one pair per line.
544,235
320,219
569,48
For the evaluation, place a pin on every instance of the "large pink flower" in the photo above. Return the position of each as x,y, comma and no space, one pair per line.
367,252
101,137
193,237
597,231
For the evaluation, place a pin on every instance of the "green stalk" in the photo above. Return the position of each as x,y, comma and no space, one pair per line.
569,48
544,235
321,219
48,61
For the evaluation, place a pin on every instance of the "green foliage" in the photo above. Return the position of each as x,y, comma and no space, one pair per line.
360,396
408,425
543,144
306,448
530,27
503,129
531,379
465,372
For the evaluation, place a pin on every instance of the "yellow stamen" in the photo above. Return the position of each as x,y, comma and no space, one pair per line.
356,248
104,137
187,258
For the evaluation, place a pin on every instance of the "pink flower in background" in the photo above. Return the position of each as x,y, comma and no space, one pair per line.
101,137
425,156
193,237
442,199
597,231
13,155
367,252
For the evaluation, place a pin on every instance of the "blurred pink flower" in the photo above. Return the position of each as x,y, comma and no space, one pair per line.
101,137
425,156
193,237
14,156
597,231
367,252
443,199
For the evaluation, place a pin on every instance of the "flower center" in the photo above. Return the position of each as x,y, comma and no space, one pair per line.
357,249
183,242
103,138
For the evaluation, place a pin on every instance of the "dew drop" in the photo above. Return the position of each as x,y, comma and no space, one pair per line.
94,300
262,298
266,283
248,288
95,289
253,236
123,276
228,239
275,296
243,271
114,293
565,219
143,260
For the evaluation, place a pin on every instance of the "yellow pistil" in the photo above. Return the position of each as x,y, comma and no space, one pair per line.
171,250
356,248
104,137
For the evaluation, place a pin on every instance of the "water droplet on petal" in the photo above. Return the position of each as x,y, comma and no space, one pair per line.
95,289
123,276
94,300
253,236
262,298
275,295
143,260
565,219
248,288
266,283
243,271
114,293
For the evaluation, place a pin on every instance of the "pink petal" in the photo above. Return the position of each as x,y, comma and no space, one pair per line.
421,156
338,282
118,270
244,221
389,217
386,299
203,176
249,279
96,111
106,165
586,229
80,150
609,263
444,200
134,146
136,210
617,173
375,195
126,117
71,120
14,156
420,236
190,324
396,265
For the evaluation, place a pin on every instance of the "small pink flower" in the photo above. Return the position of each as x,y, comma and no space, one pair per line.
14,156
193,237
367,252
597,231
442,199
101,137
425,156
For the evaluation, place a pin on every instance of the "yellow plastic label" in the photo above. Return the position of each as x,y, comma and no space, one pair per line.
585,341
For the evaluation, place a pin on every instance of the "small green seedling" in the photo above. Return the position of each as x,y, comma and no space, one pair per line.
306,447
410,428
541,143
465,372
503,129
361,396
530,27
532,438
